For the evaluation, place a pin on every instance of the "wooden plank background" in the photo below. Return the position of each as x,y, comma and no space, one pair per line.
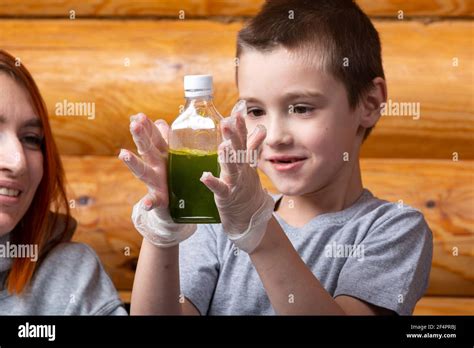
427,163
85,61
210,8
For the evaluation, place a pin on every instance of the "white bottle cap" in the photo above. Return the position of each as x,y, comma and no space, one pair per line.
197,85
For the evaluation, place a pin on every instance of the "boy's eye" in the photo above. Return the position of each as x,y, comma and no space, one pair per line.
33,141
255,112
301,109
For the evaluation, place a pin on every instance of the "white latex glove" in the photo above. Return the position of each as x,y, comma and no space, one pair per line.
244,205
151,214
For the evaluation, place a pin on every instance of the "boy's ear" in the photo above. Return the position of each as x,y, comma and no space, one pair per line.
371,103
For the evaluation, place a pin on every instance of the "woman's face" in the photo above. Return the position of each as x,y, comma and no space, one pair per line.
21,159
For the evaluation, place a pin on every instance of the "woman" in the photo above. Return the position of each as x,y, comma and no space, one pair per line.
41,272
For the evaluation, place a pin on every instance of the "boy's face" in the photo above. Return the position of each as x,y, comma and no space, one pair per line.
307,116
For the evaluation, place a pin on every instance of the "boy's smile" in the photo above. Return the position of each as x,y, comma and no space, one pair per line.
311,130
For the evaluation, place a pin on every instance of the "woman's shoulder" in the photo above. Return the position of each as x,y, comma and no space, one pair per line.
73,254
72,276
66,256
72,265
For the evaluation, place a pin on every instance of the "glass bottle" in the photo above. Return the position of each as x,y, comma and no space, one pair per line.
193,141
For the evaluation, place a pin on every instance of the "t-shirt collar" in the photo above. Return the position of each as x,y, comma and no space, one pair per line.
334,217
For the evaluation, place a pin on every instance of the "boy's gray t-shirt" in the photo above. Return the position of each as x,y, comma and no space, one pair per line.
374,250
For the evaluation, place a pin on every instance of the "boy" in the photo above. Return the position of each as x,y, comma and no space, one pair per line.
311,75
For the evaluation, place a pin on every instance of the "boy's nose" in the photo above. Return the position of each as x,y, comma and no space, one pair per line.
278,133
12,156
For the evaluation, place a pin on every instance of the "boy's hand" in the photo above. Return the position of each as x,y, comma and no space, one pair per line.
244,206
151,214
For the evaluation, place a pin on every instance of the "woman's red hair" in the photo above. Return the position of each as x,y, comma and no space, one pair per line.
37,225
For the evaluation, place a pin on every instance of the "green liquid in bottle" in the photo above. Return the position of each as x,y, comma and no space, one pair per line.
190,201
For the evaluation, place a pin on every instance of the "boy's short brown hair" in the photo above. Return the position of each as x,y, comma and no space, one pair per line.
348,44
